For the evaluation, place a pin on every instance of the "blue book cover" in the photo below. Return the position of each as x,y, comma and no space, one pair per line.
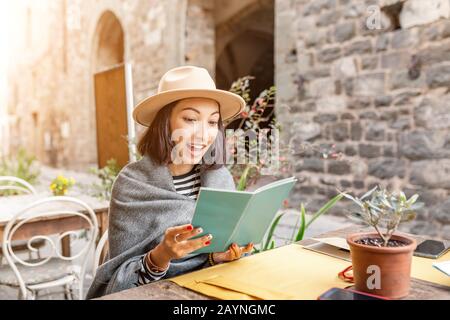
238,216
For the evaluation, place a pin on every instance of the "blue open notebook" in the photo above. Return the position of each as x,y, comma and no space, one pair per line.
238,216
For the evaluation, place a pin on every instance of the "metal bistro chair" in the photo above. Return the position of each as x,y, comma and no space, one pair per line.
98,251
27,188
55,270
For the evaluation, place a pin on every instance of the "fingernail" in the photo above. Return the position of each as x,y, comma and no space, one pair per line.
207,243
189,228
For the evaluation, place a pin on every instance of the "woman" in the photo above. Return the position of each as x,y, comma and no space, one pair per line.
153,199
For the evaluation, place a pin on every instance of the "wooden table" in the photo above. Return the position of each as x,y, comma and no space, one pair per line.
167,290
54,224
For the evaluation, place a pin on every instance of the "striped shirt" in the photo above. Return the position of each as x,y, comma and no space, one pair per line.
187,184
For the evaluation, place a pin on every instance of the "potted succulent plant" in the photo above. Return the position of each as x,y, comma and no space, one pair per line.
382,260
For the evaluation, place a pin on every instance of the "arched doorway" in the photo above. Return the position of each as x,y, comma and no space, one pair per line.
110,91
108,42
245,43
245,46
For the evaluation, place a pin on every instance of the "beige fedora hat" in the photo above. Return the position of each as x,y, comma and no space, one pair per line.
187,82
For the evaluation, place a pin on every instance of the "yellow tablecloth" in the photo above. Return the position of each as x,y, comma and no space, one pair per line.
288,272
422,268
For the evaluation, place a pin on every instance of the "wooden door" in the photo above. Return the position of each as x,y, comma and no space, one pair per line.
111,116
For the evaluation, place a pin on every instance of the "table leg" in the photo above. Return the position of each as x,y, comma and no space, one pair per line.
65,245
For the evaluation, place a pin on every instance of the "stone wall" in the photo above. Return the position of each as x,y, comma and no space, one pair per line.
200,35
381,97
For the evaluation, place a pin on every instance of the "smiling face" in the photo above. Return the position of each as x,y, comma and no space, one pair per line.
194,125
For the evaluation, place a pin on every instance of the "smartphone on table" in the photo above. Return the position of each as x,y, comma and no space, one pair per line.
432,249
348,294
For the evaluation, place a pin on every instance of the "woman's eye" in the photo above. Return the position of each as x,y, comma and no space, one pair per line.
214,123
188,119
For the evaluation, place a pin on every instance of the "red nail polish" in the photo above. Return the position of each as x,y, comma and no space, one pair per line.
207,242
189,228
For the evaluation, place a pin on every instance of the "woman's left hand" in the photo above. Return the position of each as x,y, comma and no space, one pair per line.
233,253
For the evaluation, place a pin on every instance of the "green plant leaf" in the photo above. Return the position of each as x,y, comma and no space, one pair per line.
243,179
272,230
325,208
412,200
301,230
356,200
368,193
357,217
408,216
272,245
417,206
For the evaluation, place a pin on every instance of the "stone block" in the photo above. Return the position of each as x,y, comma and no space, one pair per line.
369,84
436,53
325,117
310,164
339,167
395,60
344,31
433,113
402,79
386,168
356,131
375,132
424,144
340,131
439,76
329,54
431,173
331,104
404,38
369,150
418,12
359,47
346,67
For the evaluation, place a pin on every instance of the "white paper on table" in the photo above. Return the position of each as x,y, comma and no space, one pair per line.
443,266
334,247
334,241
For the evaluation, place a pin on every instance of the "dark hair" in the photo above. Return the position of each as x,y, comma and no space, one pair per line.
156,142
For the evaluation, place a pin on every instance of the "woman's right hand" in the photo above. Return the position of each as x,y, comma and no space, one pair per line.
176,244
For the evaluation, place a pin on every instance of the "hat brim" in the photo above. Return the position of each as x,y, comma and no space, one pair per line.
230,103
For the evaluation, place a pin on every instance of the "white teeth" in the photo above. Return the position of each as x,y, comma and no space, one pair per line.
197,147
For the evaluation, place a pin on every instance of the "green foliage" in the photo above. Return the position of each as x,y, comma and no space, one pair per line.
107,175
60,185
242,184
268,243
256,116
384,209
23,166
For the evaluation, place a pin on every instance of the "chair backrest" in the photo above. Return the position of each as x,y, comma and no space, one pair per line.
26,187
98,251
51,206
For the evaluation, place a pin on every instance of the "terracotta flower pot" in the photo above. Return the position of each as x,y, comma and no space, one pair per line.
384,271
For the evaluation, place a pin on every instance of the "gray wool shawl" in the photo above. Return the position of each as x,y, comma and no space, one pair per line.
143,205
